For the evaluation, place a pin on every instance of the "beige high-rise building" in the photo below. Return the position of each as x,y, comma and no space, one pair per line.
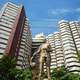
66,46
15,34
37,41
57,56
75,30
70,41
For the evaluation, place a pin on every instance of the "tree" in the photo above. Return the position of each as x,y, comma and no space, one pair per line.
8,70
24,74
63,74
58,72
6,65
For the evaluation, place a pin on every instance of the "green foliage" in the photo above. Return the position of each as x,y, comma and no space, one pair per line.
27,74
8,71
63,74
6,65
24,74
71,76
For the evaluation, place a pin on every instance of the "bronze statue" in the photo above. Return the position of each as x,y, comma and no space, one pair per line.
43,51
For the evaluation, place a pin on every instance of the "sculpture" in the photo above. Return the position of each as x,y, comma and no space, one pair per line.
43,51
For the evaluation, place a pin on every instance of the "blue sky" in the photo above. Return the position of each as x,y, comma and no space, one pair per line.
44,14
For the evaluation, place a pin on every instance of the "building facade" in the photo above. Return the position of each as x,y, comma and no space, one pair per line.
57,56
15,35
37,41
66,46
71,44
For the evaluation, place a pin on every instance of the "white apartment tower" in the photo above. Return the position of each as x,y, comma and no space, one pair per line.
75,30
15,35
57,57
66,46
71,42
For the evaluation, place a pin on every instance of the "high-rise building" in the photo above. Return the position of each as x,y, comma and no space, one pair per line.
57,57
71,44
75,30
15,35
66,46
37,41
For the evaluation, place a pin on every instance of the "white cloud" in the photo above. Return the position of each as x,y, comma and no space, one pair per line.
78,9
58,11
78,18
45,23
62,11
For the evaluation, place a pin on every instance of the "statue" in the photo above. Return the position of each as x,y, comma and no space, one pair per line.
43,51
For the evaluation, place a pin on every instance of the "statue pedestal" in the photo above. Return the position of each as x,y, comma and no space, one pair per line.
45,79
35,72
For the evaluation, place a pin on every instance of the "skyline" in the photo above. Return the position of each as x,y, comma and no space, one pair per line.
44,15
42,57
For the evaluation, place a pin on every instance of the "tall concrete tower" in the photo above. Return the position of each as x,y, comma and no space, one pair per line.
71,44
57,56
15,35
